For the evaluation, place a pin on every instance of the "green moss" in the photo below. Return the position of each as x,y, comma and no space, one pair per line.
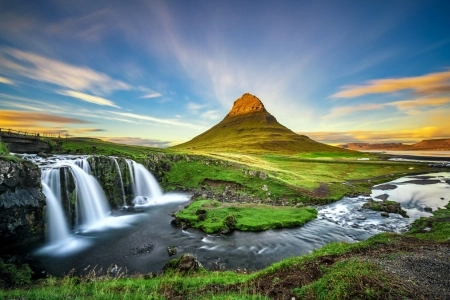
242,217
436,228
3,148
14,276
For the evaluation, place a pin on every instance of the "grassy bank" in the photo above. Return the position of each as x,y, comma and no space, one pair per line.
213,216
336,271
290,179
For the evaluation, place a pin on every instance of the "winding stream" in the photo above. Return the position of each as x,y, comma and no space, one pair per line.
139,241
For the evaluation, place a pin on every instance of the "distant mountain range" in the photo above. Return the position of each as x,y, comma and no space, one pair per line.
434,144
249,127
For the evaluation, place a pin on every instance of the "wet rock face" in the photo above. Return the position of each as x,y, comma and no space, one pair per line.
106,170
22,204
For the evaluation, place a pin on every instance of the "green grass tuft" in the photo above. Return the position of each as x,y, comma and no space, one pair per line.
353,279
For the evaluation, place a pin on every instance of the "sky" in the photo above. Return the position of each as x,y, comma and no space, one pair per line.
158,73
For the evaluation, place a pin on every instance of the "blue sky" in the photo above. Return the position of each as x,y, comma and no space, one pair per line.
159,73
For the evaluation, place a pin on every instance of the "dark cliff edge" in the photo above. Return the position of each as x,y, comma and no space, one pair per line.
22,205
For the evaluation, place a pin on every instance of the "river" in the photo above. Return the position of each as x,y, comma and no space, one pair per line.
138,241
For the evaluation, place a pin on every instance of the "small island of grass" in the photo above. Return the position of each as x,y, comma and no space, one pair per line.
386,206
216,217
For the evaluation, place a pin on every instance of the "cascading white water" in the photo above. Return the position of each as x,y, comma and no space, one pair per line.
130,168
57,226
144,183
52,178
90,196
91,206
121,181
84,164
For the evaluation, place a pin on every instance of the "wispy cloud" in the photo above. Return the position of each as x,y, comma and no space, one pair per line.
138,141
211,115
157,120
43,69
429,83
6,81
89,98
194,107
87,130
345,110
151,95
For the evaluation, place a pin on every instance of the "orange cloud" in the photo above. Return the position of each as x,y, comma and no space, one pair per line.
6,81
411,106
36,122
374,136
422,102
13,116
345,110
426,84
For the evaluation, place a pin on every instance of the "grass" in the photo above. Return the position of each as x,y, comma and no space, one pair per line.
3,148
194,174
258,132
315,177
94,146
353,279
319,275
290,178
213,216
435,228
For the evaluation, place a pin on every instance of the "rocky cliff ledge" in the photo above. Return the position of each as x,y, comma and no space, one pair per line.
22,204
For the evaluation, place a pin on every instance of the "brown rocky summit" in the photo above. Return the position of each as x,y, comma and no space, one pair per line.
248,103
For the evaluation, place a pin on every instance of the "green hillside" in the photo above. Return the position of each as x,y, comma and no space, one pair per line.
249,127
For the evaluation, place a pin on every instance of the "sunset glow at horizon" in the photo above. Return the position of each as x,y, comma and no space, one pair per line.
158,73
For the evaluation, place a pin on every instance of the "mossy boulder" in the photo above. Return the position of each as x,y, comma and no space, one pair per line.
184,264
386,206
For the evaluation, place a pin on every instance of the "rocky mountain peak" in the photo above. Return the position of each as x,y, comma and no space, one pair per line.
248,103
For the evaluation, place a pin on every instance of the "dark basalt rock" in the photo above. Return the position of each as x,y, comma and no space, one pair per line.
22,205
172,250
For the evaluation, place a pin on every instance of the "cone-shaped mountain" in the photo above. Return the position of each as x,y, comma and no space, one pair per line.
249,127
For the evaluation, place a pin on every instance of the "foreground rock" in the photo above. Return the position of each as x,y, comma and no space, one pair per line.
386,207
22,204
184,264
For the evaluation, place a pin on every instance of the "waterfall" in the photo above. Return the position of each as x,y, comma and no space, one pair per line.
90,196
130,167
65,177
144,184
57,225
121,181
84,164
52,178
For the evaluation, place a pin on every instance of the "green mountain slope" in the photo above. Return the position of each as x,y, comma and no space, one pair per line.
249,127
